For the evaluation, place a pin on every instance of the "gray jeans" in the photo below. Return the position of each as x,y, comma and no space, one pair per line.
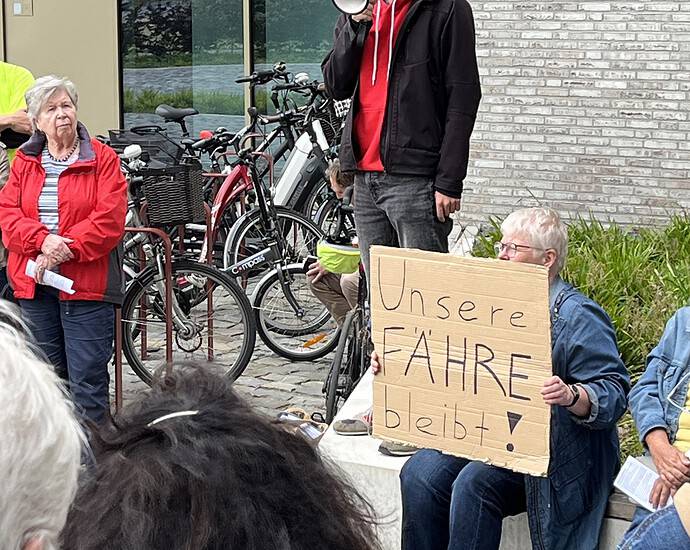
397,211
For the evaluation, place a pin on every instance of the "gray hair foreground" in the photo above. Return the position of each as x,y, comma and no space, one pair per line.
41,443
43,89
543,228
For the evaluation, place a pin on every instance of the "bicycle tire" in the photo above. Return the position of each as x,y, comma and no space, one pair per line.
237,346
246,238
310,337
327,219
341,367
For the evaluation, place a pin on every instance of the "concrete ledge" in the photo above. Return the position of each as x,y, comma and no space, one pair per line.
376,477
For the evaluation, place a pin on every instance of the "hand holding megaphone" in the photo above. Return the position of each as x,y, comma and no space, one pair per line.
360,10
367,15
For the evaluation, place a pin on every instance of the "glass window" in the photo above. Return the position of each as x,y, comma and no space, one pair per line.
187,53
184,53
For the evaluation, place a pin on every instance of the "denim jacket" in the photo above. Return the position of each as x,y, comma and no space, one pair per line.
566,508
667,363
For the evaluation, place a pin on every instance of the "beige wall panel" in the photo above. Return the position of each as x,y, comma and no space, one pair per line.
73,38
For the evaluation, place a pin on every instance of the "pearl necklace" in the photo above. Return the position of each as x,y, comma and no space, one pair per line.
67,156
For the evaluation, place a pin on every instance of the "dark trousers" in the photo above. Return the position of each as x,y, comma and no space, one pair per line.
5,289
77,338
397,211
456,504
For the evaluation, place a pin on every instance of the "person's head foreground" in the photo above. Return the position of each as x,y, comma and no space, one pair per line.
191,466
41,444
535,236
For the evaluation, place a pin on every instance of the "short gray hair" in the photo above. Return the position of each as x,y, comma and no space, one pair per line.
41,442
543,228
43,89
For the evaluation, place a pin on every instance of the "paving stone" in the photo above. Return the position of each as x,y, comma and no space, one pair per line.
270,383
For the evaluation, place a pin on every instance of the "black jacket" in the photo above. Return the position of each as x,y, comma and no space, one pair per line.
433,92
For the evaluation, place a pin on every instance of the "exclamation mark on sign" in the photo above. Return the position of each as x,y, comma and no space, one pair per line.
513,419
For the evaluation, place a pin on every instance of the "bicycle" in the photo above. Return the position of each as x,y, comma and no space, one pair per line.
289,319
351,358
205,303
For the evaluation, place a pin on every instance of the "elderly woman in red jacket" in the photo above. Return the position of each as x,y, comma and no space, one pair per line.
64,207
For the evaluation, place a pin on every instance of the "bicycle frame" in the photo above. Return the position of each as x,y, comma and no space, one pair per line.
238,181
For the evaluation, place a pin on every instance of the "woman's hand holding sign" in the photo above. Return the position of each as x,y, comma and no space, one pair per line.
573,397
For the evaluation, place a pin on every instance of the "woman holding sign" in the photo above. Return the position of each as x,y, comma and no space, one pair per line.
455,503
63,210
660,405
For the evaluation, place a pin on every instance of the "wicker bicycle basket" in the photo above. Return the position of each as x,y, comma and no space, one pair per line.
332,117
174,195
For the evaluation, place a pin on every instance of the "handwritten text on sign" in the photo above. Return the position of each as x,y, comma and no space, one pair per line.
465,349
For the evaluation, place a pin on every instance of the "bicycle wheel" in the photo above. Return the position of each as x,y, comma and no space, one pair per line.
215,324
343,373
327,218
247,237
298,338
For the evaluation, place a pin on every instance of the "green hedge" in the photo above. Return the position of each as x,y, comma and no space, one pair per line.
146,101
640,278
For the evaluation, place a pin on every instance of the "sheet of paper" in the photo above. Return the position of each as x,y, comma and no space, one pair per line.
51,279
636,479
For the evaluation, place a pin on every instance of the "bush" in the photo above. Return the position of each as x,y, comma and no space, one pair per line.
640,278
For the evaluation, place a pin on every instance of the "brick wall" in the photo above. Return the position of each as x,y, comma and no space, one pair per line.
586,107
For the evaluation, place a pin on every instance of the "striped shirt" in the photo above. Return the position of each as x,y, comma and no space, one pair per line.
48,200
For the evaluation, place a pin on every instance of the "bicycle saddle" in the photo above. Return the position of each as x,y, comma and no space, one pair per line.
173,114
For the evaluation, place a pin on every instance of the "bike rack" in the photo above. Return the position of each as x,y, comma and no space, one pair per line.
168,313
167,243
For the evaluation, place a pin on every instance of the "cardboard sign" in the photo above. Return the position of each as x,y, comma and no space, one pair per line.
465,347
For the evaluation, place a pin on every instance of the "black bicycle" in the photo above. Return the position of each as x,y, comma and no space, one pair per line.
354,347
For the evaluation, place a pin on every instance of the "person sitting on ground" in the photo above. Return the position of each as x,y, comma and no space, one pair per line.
456,503
660,405
338,292
41,444
191,465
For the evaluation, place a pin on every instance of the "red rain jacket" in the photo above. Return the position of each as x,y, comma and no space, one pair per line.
92,204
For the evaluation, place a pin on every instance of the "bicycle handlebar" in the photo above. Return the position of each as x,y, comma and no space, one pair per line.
279,70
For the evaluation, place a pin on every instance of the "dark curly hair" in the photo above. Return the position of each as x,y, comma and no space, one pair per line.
222,478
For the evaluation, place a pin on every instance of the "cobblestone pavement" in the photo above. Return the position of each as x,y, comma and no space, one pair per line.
270,383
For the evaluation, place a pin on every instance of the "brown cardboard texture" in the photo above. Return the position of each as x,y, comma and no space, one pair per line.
465,347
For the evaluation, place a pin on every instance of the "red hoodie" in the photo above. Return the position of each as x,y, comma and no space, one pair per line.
373,81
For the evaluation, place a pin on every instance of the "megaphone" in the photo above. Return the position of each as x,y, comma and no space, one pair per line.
351,7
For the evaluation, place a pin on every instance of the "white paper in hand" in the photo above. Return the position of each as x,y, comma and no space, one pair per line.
636,479
51,279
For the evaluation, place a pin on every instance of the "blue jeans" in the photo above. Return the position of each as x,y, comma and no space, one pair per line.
77,338
661,530
454,503
397,211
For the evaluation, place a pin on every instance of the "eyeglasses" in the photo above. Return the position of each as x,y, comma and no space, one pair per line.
512,248
670,395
